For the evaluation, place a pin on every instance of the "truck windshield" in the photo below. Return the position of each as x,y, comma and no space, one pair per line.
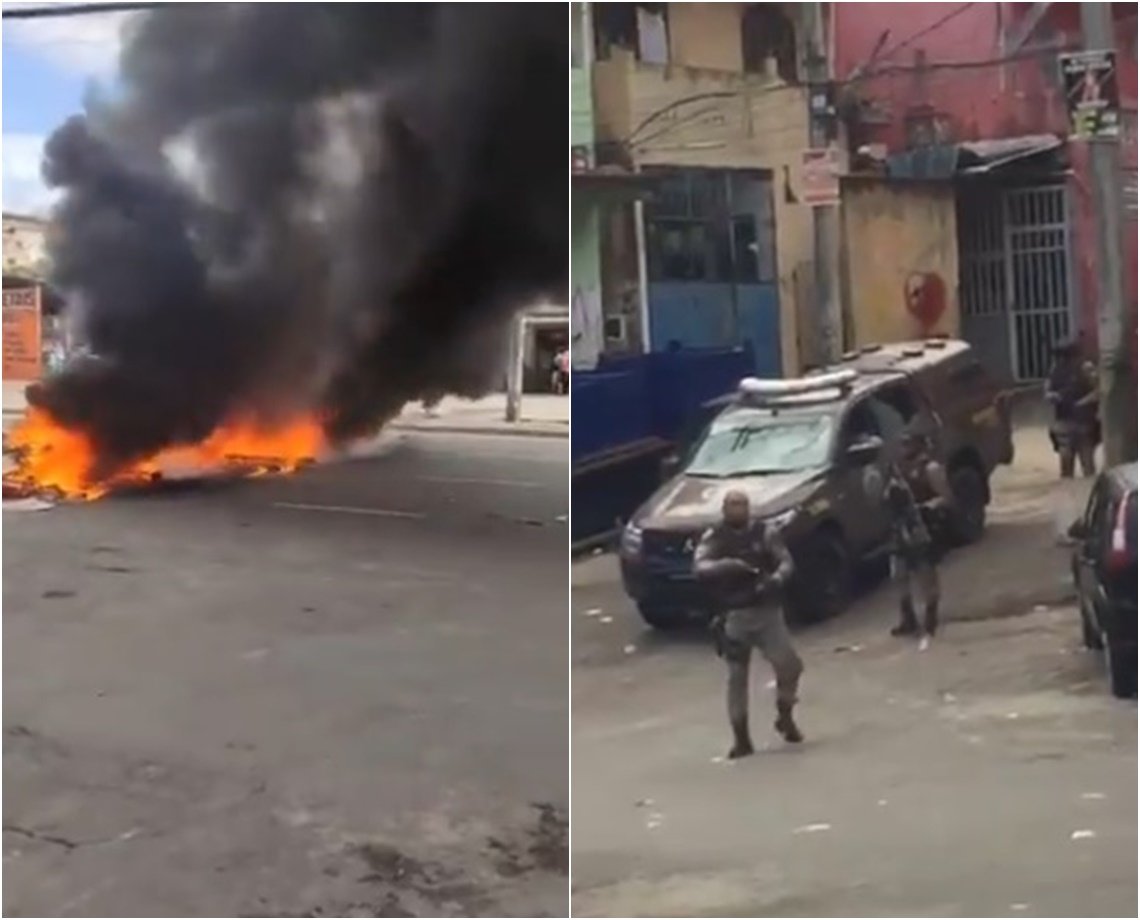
742,443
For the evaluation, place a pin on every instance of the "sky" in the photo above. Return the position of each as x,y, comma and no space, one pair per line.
47,67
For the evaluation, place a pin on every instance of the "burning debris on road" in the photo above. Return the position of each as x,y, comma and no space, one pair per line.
299,216
52,459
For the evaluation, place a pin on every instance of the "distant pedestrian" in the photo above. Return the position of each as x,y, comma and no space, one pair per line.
560,372
744,564
430,405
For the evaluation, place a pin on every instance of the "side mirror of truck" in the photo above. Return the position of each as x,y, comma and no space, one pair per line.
670,464
1077,530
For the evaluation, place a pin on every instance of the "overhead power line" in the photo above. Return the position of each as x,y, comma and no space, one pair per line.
933,27
883,70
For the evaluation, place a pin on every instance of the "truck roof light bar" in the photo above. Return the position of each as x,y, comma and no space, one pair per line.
835,380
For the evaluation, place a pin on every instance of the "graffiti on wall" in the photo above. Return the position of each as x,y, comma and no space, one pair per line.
925,297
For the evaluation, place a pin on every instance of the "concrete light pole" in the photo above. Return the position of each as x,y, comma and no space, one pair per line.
1104,157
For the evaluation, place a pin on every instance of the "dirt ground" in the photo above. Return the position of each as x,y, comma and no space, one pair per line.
992,775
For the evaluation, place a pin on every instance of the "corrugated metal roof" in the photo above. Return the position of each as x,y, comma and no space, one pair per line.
968,158
992,154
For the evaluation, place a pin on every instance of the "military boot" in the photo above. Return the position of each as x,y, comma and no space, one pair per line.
908,621
785,724
741,740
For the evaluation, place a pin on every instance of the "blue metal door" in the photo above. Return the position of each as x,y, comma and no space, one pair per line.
712,268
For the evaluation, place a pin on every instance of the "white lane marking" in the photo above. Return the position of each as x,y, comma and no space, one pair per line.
463,480
345,509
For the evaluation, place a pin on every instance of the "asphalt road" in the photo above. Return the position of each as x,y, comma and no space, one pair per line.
992,775
341,693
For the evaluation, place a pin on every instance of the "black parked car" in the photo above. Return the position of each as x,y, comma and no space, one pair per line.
1104,570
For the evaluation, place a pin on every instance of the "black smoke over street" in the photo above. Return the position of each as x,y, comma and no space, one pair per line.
287,207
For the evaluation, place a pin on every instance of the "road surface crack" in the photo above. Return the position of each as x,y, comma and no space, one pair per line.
43,838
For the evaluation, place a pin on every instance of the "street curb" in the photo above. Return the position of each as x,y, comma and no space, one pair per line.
461,429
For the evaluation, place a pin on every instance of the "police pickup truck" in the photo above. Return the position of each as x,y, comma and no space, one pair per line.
807,452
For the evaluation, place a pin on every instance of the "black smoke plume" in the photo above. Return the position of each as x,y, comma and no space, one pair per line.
294,206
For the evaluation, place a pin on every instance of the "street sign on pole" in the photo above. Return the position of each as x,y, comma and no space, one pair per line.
1092,94
820,177
1095,72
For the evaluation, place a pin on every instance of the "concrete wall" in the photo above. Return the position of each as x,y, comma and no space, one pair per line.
667,117
1004,99
586,328
706,35
581,108
901,259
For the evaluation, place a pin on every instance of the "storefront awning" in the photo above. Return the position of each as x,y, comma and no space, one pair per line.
971,158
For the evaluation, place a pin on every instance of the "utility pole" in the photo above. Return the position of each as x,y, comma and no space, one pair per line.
1113,360
515,367
825,217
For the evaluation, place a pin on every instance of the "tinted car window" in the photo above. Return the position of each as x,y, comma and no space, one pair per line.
899,398
1090,513
861,422
890,421
1103,520
1130,523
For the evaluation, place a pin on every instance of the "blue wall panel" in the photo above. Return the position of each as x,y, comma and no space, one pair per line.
759,309
712,315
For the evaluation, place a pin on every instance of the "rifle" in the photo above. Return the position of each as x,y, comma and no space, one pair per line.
766,585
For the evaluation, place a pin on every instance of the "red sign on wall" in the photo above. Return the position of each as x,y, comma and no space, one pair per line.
23,357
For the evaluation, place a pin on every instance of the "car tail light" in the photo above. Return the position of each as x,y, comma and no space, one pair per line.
1121,550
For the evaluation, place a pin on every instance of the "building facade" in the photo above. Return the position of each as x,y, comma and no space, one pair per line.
705,105
959,113
24,246
586,322
25,255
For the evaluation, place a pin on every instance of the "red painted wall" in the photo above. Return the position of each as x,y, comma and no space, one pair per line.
981,96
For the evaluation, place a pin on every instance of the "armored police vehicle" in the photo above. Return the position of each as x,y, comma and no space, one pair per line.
808,452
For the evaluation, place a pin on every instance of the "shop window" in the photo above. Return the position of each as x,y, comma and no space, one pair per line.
640,28
768,34
716,226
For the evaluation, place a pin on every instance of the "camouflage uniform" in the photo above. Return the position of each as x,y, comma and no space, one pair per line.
744,569
913,568
1075,432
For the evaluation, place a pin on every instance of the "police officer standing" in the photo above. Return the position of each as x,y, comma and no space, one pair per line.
1072,391
744,564
918,501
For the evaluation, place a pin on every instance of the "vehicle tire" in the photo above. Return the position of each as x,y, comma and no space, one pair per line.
1089,633
821,587
663,617
968,523
1121,671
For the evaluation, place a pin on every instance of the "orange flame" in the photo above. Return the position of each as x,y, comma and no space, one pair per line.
49,457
